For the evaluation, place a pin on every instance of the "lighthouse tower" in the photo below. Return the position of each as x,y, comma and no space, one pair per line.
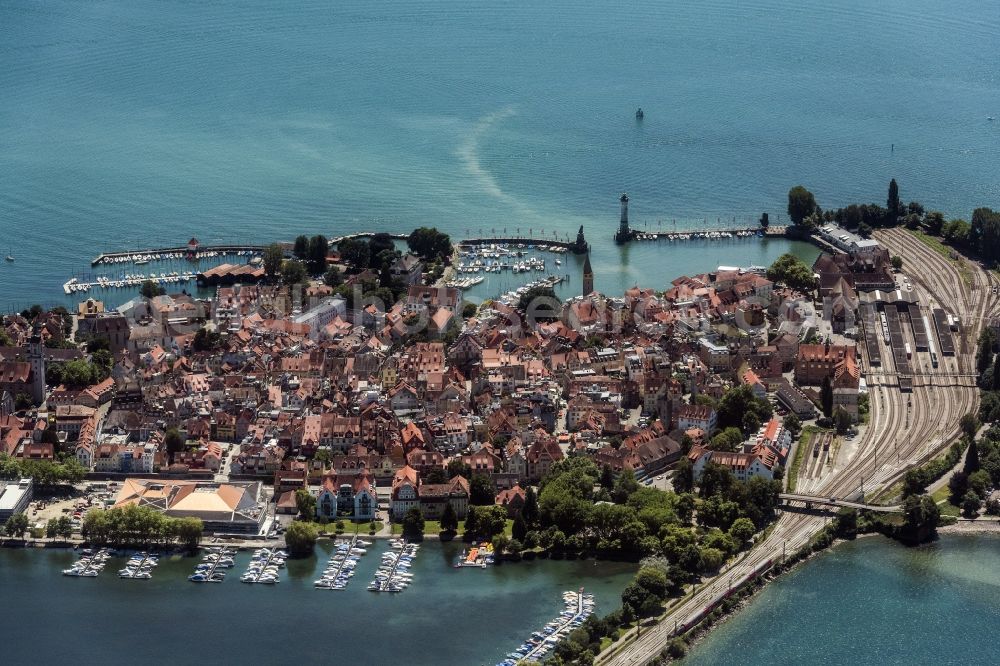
624,234
36,356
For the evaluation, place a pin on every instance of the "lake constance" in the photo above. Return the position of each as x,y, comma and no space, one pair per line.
447,615
872,601
136,123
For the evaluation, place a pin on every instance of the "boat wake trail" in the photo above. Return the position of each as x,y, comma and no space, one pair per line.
468,152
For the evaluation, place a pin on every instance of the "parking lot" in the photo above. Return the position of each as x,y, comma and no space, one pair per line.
87,496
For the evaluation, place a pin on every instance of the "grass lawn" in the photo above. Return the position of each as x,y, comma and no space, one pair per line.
943,498
349,527
430,527
935,244
434,527
800,450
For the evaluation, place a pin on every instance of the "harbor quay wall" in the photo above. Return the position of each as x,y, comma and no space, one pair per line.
230,248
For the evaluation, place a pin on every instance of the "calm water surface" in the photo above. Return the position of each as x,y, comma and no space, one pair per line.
140,122
872,602
447,616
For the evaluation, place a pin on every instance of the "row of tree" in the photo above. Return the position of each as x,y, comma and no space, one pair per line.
44,472
139,526
312,251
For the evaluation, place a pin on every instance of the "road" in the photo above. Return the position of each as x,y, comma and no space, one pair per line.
905,429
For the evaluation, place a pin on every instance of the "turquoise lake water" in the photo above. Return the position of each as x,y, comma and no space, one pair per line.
135,123
872,602
446,616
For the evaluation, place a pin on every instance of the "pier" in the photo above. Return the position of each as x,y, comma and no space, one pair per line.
264,567
389,578
365,234
139,567
709,234
207,571
340,567
522,242
176,252
579,606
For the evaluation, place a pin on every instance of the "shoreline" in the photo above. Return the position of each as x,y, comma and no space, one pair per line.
701,632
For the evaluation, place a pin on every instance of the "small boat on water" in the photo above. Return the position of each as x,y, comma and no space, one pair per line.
639,115
10,254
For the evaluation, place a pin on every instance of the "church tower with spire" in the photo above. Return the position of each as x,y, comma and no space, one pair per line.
588,277
36,356
625,233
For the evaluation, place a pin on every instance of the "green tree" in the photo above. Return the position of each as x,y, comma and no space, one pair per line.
300,539
301,249
801,204
683,479
188,531
956,232
739,401
842,420
457,467
729,439
793,272
150,289
847,523
921,515
381,242
519,530
305,502
970,504
355,252
972,463
711,559
639,601
793,425
935,222
969,424
436,476
897,262
52,528
332,277
826,396
413,524
715,480
624,486
65,527
892,203
741,531
207,340
173,441
469,310
984,233
530,509
293,272
272,259
979,483
607,477
318,249
984,350
482,492
16,525
489,521
449,519
429,243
